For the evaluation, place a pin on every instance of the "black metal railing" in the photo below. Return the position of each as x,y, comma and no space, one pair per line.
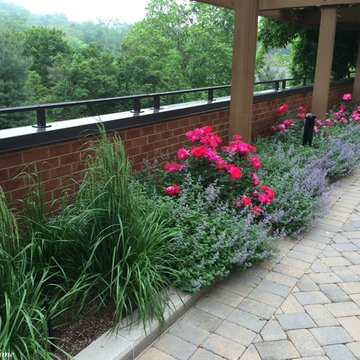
41,122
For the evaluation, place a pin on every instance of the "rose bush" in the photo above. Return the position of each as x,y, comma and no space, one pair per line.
233,168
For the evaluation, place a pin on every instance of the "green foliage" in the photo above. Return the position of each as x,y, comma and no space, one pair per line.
22,317
13,68
304,40
213,238
89,74
298,178
43,44
108,34
299,173
111,246
158,54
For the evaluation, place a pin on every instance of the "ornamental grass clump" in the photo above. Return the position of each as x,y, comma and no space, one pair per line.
110,247
112,238
23,322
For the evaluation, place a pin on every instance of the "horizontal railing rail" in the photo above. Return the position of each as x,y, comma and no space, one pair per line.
136,99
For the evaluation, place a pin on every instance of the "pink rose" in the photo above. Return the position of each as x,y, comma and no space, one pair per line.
282,109
172,190
256,210
246,200
183,153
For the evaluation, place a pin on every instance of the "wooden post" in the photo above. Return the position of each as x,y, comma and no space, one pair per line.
243,68
324,60
356,90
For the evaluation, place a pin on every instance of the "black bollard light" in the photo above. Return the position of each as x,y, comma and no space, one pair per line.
309,128
49,324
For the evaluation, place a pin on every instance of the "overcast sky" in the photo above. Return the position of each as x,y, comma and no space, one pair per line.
127,11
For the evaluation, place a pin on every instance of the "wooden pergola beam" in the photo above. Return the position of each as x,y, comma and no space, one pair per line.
279,15
288,4
324,61
243,68
345,15
356,89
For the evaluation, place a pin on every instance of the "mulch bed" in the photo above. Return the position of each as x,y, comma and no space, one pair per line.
88,327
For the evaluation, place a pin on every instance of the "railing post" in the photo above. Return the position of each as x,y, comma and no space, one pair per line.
277,85
137,105
309,129
283,85
304,81
40,118
157,102
211,95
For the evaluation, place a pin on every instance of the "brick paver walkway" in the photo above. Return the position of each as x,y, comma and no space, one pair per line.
303,304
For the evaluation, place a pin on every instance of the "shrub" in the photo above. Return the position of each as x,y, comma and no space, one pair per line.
215,201
233,169
300,186
214,237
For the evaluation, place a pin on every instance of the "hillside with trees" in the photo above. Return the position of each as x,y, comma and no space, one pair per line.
179,45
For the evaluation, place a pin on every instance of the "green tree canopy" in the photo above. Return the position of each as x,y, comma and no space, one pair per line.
13,74
43,44
178,45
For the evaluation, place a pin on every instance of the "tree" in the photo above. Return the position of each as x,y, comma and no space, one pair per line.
13,75
304,40
177,45
43,44
90,74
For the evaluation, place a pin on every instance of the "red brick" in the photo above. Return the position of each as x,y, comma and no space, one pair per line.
173,140
160,127
179,131
147,130
78,166
166,134
139,141
154,138
35,154
70,158
59,149
146,148
78,145
4,174
61,171
133,151
16,195
10,159
127,143
159,144
132,133
138,159
51,184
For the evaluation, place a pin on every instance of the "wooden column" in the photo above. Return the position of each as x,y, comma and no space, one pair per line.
356,90
243,67
324,60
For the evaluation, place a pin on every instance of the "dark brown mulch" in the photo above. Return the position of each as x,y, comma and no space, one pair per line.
89,326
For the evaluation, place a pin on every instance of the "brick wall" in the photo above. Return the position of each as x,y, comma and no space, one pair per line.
60,163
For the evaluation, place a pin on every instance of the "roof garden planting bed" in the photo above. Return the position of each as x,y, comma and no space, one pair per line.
183,223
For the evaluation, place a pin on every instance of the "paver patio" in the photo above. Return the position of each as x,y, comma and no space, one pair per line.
302,304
